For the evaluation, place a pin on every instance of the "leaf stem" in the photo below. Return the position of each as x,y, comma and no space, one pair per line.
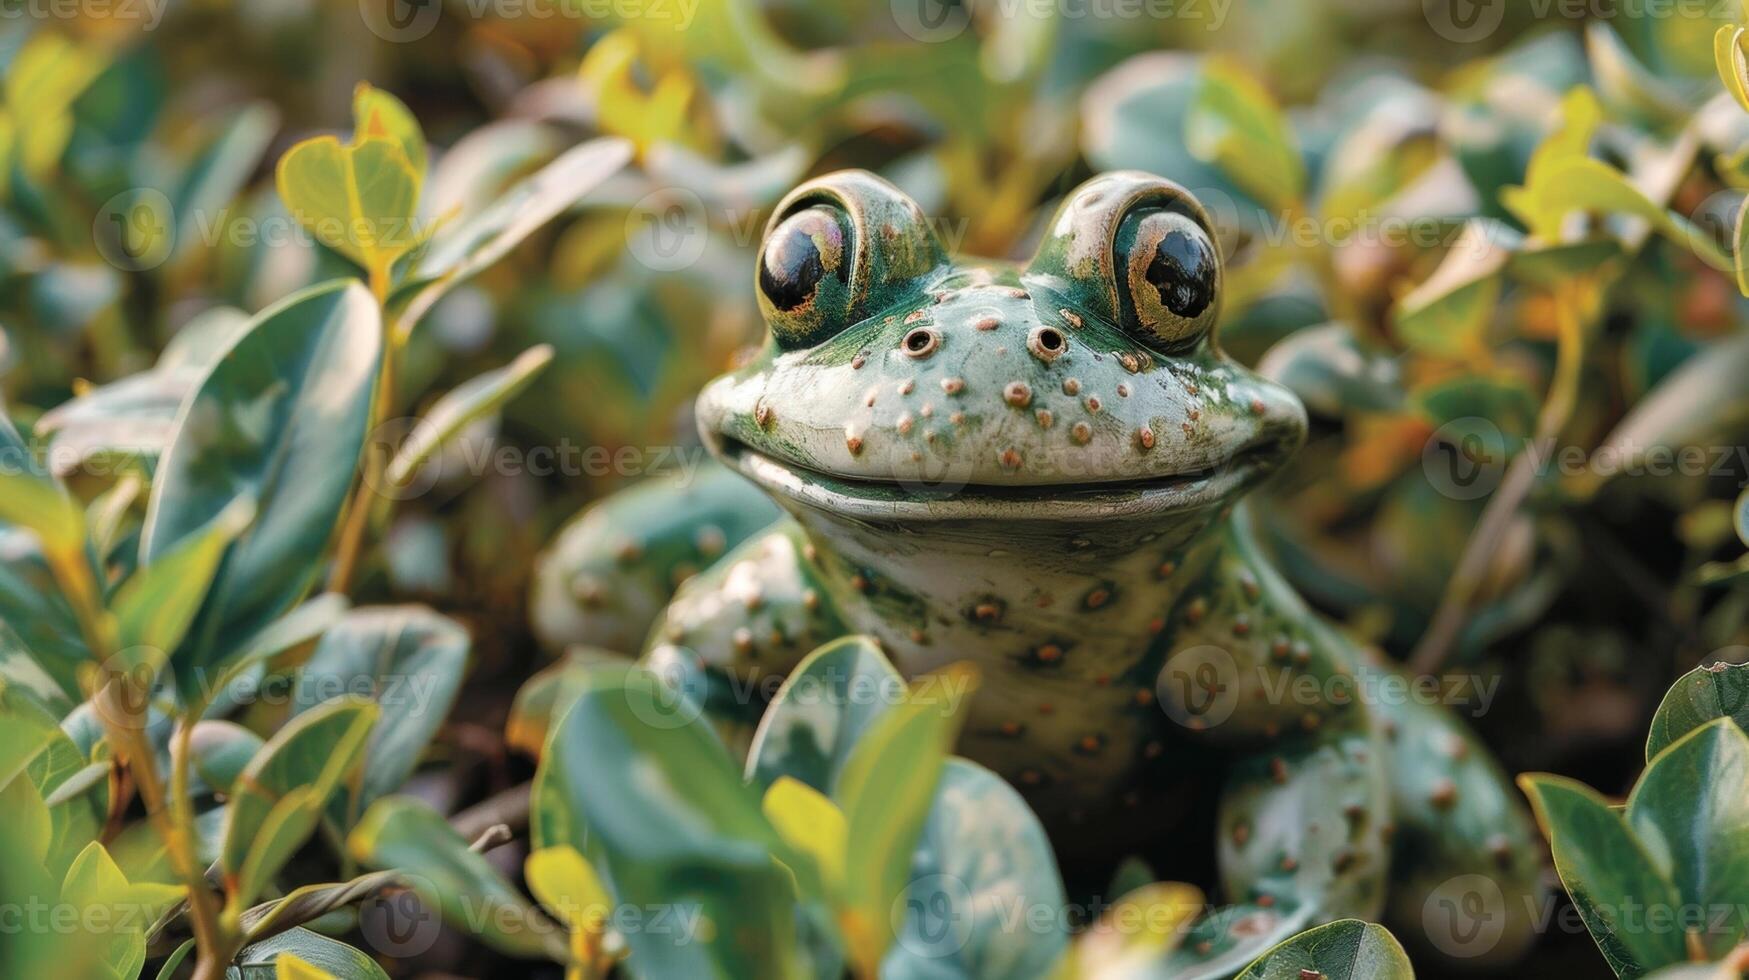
1430,654
376,462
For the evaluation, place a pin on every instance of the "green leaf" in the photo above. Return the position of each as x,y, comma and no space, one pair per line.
1347,949
413,661
377,113
1703,694
565,883
458,252
1236,125
286,784
39,504
221,750
1605,867
358,199
1690,810
115,911
258,961
158,602
280,418
982,851
221,171
820,712
1449,314
650,796
405,834
472,399
886,790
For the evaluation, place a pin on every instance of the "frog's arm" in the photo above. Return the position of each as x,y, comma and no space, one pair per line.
734,632
1301,842
1305,814
617,563
1466,870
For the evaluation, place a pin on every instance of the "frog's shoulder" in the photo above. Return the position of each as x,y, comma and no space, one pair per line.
756,612
614,566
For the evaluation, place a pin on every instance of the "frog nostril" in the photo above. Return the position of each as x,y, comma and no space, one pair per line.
920,342
1046,343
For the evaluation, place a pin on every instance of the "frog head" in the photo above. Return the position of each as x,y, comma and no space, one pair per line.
898,384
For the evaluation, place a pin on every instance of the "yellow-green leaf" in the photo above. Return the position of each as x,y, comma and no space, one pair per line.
1235,124
1729,59
289,967
377,113
359,200
886,790
810,822
563,880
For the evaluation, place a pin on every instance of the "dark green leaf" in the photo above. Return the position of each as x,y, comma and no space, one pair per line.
281,419
1347,949
822,709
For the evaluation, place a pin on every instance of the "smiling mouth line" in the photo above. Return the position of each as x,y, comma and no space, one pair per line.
937,497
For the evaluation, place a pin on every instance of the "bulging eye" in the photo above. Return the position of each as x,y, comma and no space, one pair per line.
1169,277
804,276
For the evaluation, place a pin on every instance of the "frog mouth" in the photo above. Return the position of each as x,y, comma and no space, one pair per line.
940,496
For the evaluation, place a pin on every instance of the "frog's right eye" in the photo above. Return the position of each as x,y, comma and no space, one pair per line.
804,276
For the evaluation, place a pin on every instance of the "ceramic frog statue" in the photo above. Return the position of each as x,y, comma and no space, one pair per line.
1035,469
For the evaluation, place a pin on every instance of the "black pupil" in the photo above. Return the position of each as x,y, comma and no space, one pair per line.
917,340
1050,340
1183,271
793,267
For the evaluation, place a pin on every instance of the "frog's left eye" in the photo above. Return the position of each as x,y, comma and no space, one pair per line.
842,249
804,275
1169,276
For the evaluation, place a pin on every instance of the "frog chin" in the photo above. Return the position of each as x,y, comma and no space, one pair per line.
939,495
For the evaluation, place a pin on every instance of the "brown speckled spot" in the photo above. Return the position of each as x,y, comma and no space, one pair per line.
1016,292
1145,437
1094,404
1070,317
1197,609
1012,729
1089,745
1241,625
907,386
1071,386
986,323
1166,568
868,397
1097,598
1082,433
858,361
1123,391
853,441
1017,393
953,386
810,599
1010,458
1278,770
957,418
1444,794
628,552
1257,406
743,640
1049,653
926,410
904,424
914,316
1044,417
763,415
1128,360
